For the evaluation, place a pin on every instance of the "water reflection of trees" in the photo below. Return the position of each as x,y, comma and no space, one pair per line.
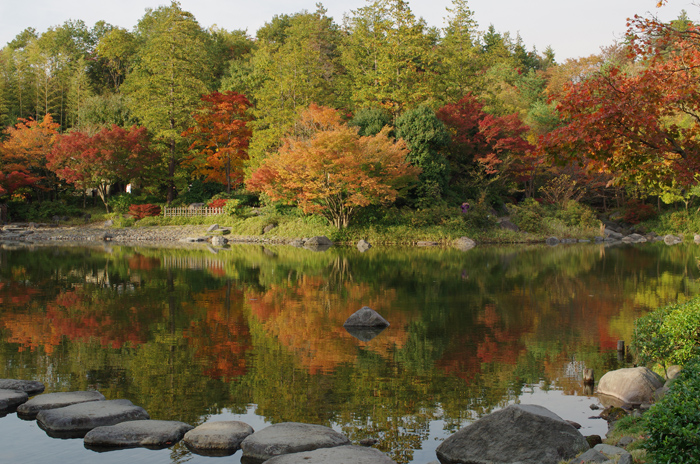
187,334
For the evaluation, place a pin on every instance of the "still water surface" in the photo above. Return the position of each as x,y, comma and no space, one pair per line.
256,334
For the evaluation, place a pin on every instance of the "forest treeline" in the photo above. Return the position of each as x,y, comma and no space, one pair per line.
378,109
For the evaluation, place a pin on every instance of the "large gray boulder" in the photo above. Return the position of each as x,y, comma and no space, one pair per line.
290,437
30,387
363,246
78,419
57,400
525,434
634,385
11,398
365,317
131,434
349,454
464,243
321,241
223,436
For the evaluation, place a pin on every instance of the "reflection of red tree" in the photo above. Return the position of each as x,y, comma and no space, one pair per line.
15,295
490,341
143,263
219,332
307,318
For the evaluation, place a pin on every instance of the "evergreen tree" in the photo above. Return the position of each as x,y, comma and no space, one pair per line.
170,73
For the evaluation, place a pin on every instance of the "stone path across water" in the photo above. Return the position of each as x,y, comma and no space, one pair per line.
11,398
78,419
147,433
31,408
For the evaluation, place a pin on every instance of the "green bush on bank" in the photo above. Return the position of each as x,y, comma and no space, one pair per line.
674,422
668,335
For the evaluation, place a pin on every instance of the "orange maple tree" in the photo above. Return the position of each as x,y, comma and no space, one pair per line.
329,169
23,153
220,138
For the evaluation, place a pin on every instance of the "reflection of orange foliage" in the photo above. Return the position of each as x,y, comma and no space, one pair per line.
491,342
220,335
78,317
140,262
217,270
308,319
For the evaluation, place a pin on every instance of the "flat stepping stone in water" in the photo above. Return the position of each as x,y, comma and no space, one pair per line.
290,437
339,455
146,433
76,420
217,438
31,408
30,387
11,398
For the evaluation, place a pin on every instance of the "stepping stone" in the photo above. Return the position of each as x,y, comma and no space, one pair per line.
78,419
56,400
11,398
147,433
290,437
339,455
217,438
31,387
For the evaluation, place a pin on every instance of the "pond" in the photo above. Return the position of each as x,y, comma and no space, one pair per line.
256,334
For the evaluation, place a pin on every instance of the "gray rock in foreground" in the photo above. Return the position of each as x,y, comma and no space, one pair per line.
146,433
30,387
349,454
366,317
290,437
81,418
631,385
11,398
223,435
57,400
526,434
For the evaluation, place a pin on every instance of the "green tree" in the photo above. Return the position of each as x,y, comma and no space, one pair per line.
426,137
388,56
170,73
294,64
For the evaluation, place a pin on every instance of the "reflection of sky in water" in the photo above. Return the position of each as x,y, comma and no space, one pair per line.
24,441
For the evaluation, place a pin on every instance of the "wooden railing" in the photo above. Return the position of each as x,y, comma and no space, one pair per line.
188,211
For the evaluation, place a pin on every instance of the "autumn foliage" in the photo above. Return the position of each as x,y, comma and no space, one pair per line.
142,211
220,138
327,168
112,155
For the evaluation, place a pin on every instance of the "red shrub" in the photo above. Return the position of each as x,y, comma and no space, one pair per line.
218,203
636,212
142,211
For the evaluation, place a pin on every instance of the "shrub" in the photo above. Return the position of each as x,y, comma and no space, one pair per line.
637,211
232,207
528,215
575,214
217,203
43,211
673,422
668,335
120,203
142,211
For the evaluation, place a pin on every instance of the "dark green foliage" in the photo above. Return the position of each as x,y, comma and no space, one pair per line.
121,203
575,214
479,215
669,335
674,422
370,121
426,137
45,211
199,192
528,215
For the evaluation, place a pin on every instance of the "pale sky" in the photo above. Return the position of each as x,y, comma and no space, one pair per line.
573,28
